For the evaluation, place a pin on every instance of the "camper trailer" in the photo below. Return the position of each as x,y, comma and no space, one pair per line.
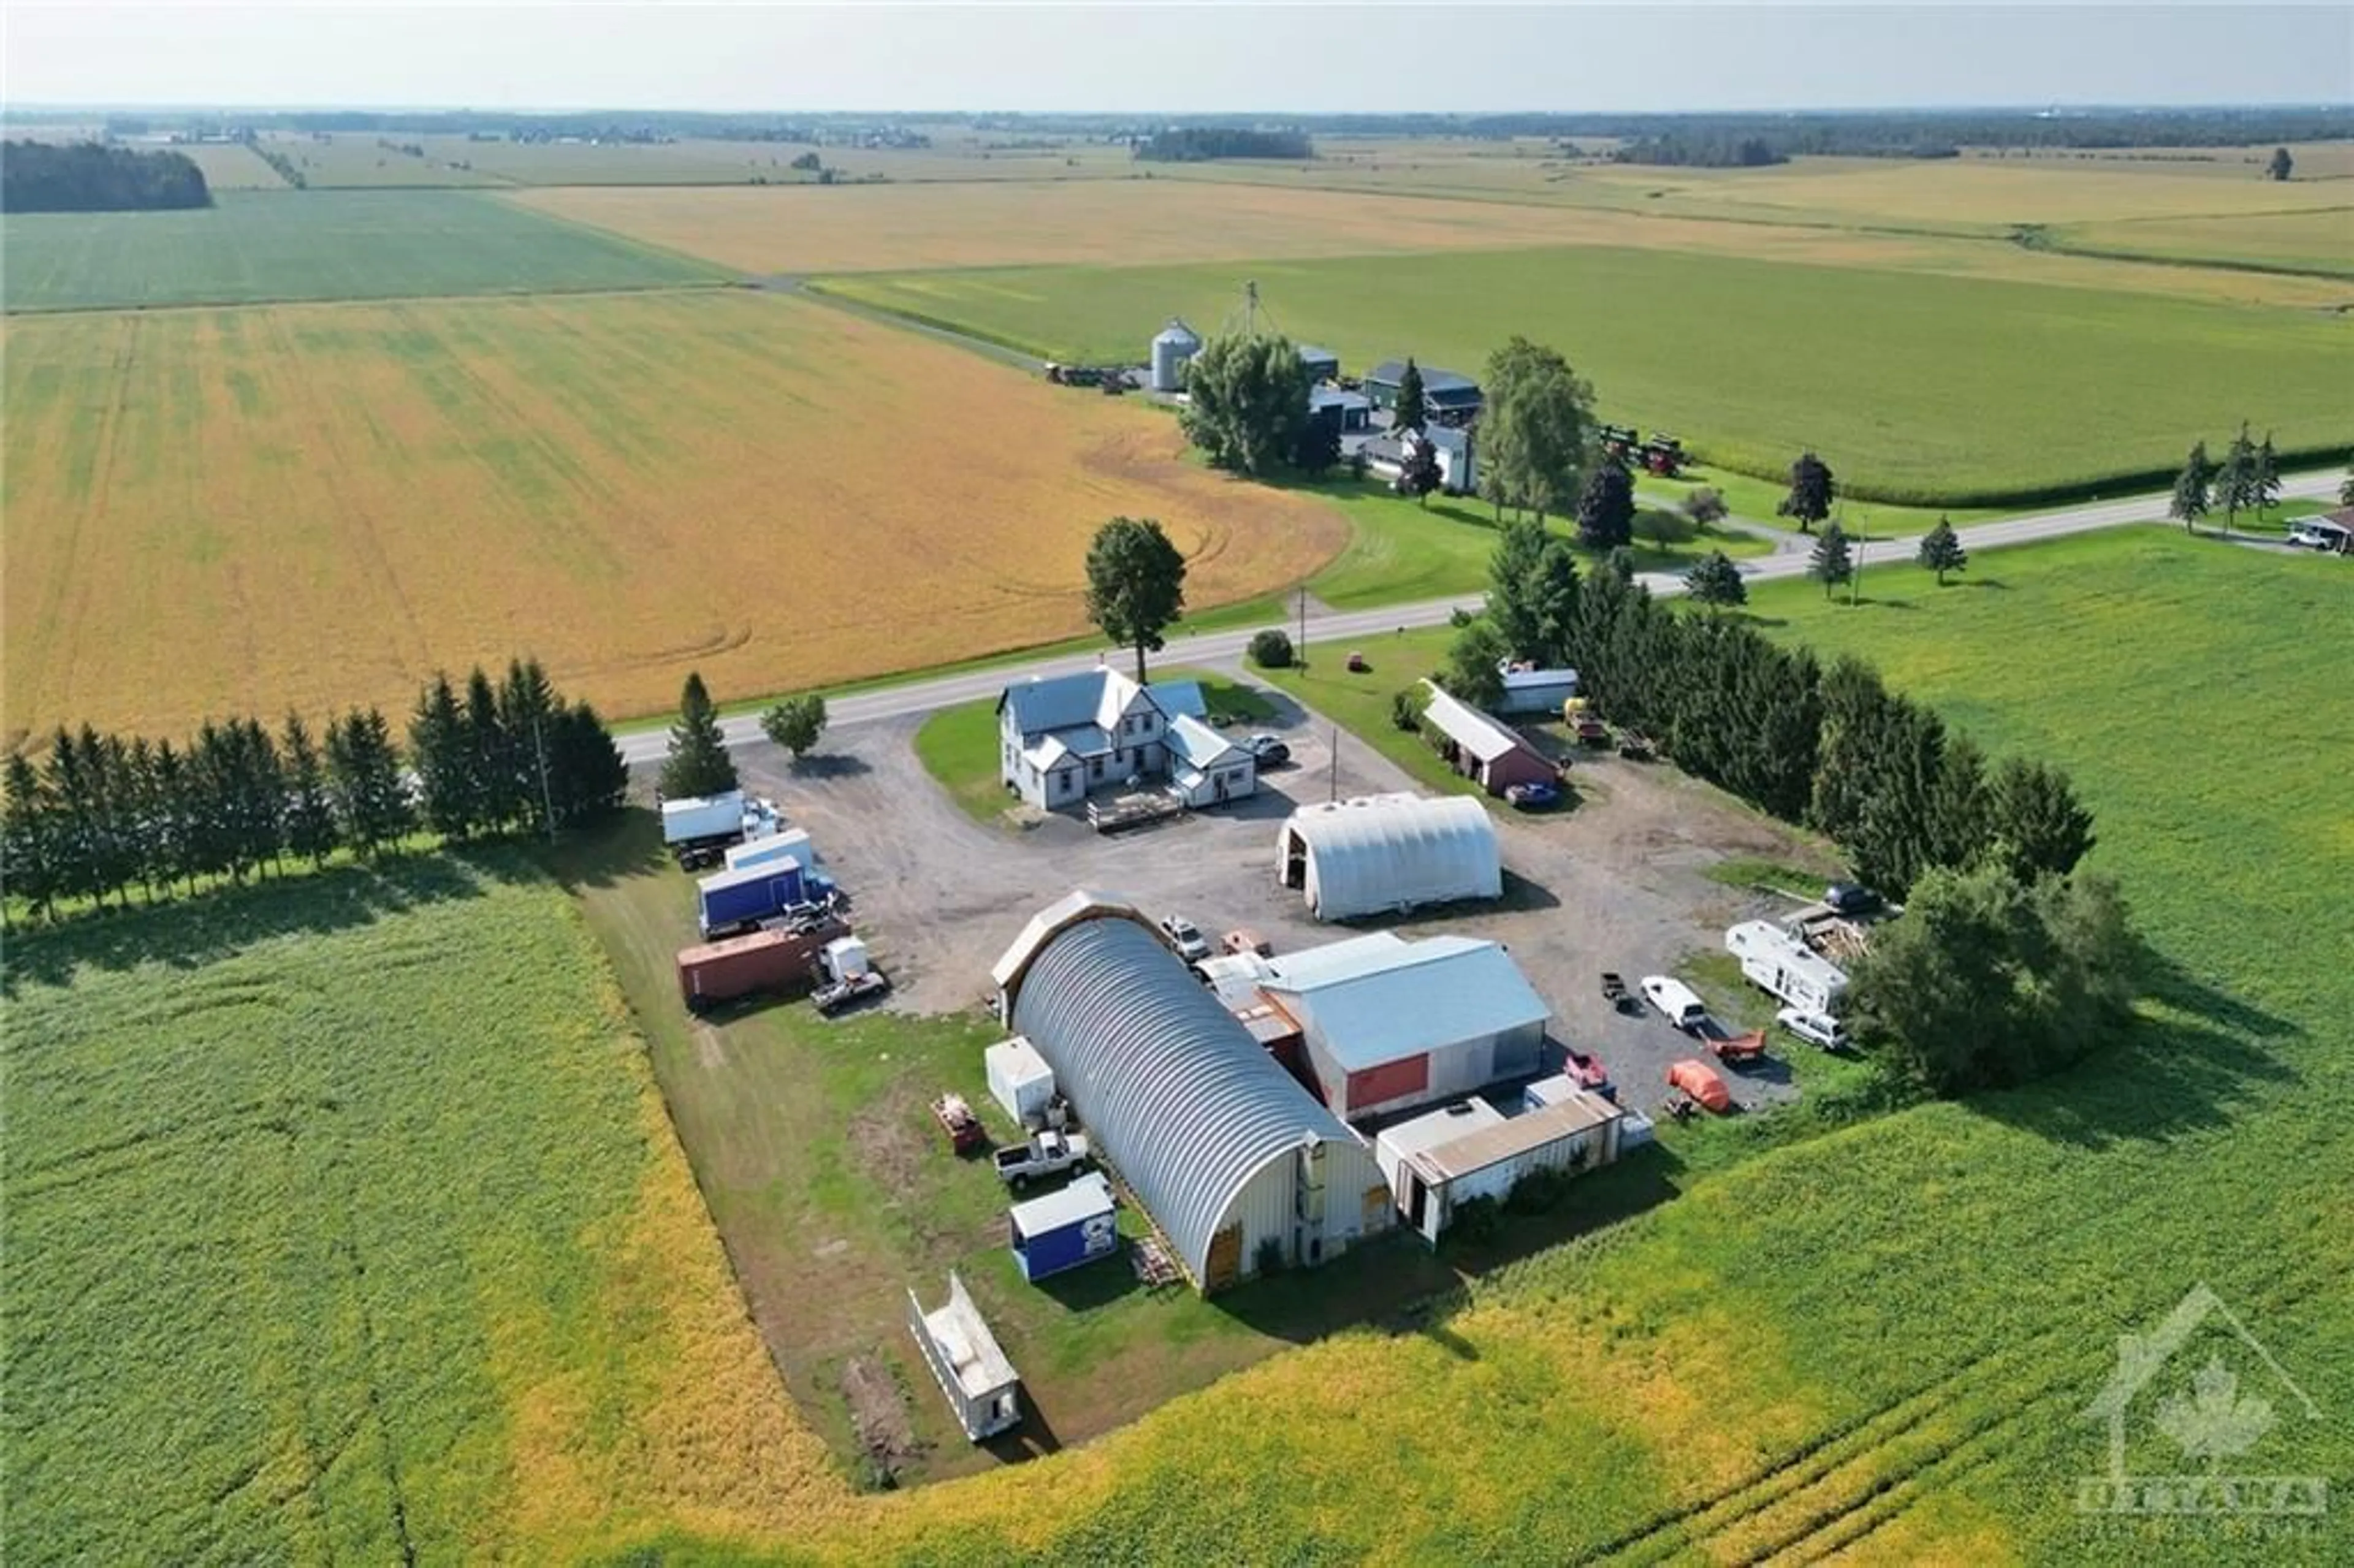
1779,964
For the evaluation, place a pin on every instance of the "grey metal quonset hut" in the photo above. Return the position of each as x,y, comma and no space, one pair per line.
1234,1161
1379,855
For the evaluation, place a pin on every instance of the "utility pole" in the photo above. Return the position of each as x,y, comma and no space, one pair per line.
1332,788
1300,654
546,797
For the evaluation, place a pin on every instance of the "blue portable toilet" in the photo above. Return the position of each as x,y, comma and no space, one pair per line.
1065,1229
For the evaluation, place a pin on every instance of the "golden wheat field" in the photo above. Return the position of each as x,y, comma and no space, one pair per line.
908,228
212,512
893,228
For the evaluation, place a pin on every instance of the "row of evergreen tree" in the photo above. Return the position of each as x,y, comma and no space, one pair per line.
102,815
1831,747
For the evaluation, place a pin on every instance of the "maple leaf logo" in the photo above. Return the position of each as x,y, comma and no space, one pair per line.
2214,1421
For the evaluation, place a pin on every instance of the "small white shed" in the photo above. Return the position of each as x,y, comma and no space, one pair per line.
1020,1080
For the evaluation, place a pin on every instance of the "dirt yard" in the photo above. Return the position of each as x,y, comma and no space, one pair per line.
1616,884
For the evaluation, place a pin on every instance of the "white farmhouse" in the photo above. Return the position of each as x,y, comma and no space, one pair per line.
1062,739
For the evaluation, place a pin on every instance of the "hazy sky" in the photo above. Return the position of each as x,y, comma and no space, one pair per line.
1361,55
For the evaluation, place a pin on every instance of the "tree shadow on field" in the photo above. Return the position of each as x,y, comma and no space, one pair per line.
2202,1066
189,932
631,847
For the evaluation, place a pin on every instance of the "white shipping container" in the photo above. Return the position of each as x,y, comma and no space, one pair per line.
1020,1080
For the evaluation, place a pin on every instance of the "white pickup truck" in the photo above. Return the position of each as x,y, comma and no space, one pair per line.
1047,1153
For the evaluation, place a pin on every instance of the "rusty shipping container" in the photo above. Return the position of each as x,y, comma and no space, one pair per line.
769,960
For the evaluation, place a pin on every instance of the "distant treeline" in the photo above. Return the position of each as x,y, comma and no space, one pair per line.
1677,151
1199,144
654,126
83,177
102,814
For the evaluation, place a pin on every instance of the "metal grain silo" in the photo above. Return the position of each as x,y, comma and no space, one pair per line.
1172,347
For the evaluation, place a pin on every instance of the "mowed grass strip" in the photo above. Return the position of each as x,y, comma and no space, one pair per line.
217,511
345,1223
1915,387
253,246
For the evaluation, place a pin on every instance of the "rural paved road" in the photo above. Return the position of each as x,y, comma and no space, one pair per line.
649,743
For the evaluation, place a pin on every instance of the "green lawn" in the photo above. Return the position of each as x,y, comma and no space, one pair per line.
1401,551
1359,703
1914,387
1755,498
255,246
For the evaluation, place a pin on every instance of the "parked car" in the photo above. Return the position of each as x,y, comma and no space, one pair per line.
1675,1000
1269,749
1242,939
1191,945
1818,1030
1850,898
1535,795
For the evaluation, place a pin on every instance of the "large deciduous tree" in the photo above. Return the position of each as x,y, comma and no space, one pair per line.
698,764
1705,505
1942,552
796,723
1813,489
1991,980
1537,432
1136,584
1474,668
2281,167
1246,402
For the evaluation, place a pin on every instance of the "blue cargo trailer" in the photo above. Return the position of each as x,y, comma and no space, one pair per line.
1065,1229
734,899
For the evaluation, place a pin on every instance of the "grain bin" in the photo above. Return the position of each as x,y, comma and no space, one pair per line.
1172,346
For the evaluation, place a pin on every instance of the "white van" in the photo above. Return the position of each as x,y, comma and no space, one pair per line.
1675,1000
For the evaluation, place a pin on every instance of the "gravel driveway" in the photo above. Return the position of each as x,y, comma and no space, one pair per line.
1616,884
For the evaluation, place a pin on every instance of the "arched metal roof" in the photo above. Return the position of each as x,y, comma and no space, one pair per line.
1382,853
1178,1094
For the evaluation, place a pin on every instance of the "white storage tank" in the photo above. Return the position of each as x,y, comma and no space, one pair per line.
1172,347
1020,1080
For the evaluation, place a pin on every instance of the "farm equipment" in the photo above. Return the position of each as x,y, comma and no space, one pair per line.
1737,1049
1658,453
1615,992
1636,749
1534,795
956,1119
1589,730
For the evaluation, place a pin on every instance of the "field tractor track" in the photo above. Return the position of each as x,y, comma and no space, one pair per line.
1841,1489
1679,1530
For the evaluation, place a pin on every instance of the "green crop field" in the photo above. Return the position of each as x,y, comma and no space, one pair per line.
255,246
1915,387
2316,242
343,1223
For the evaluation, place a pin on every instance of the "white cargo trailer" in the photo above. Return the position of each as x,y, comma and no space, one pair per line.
702,818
